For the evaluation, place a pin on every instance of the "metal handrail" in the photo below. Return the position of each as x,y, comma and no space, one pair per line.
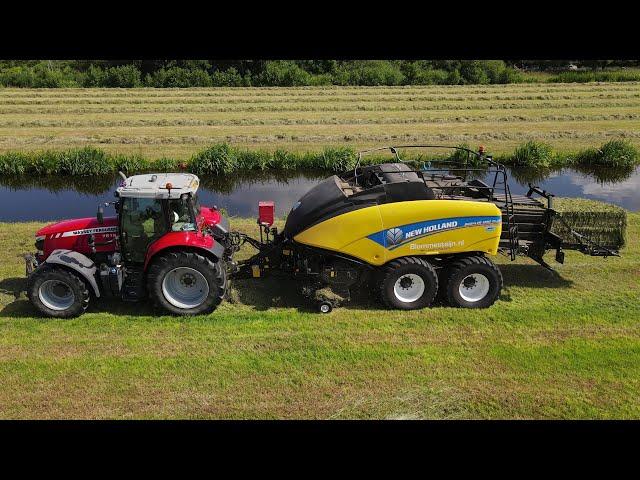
394,150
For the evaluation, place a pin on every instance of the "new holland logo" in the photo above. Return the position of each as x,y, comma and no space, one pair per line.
394,236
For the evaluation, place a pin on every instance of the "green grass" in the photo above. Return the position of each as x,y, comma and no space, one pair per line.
553,346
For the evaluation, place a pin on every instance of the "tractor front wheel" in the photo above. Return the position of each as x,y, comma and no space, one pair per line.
186,283
57,292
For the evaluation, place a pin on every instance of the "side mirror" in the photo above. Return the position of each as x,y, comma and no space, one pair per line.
100,214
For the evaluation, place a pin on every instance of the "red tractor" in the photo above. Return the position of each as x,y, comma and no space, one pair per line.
162,245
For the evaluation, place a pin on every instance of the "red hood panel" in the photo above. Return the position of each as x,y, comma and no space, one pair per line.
210,216
78,224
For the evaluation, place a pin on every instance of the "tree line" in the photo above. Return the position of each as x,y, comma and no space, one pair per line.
292,73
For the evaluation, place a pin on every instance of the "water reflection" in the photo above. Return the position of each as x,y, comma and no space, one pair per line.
49,198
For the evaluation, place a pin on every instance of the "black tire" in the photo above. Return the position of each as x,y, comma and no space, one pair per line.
460,271
397,271
325,307
64,279
213,272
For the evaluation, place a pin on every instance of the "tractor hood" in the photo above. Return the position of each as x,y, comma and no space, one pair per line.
74,235
79,226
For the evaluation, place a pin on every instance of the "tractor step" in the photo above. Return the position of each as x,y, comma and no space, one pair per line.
133,289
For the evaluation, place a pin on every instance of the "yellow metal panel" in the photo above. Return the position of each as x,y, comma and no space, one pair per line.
402,213
338,232
422,227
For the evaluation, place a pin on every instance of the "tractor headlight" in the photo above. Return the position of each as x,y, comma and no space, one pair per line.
40,243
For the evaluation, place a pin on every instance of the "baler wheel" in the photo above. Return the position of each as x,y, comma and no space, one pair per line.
186,283
408,283
472,282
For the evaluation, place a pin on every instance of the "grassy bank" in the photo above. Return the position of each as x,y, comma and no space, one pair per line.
222,159
553,346
177,123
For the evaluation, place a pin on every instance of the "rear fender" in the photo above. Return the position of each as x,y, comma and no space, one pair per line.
189,241
78,262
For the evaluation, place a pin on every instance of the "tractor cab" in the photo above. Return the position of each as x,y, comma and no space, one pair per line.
153,205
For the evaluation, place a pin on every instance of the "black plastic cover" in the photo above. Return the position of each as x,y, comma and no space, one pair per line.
327,200
317,203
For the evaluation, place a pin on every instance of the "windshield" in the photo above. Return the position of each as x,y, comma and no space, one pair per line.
180,215
196,205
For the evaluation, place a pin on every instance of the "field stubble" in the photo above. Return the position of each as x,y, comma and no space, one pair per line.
176,123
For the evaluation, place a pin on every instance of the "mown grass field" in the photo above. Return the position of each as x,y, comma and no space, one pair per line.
178,122
565,346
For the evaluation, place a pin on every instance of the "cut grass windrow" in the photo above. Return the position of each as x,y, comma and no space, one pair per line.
178,123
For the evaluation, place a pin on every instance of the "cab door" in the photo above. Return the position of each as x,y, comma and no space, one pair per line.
142,222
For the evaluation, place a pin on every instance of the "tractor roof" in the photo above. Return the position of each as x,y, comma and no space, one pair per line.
154,185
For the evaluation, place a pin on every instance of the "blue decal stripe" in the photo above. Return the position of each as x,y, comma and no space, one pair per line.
460,222
378,237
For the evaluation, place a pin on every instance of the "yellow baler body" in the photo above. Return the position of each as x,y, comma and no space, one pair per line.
380,233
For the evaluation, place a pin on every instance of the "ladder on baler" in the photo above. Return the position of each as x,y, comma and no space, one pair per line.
509,225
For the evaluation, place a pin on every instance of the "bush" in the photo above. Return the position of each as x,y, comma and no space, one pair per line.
166,164
227,78
614,153
178,77
532,154
321,80
337,159
17,77
510,75
14,163
48,76
462,156
283,74
254,160
472,71
124,76
218,159
422,73
94,77
86,161
369,72
431,77
42,75
131,163
493,69
454,78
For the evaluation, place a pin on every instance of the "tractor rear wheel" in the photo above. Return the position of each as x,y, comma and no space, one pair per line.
186,283
408,283
57,292
472,282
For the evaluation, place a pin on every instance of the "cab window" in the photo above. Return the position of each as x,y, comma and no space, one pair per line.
143,222
180,215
